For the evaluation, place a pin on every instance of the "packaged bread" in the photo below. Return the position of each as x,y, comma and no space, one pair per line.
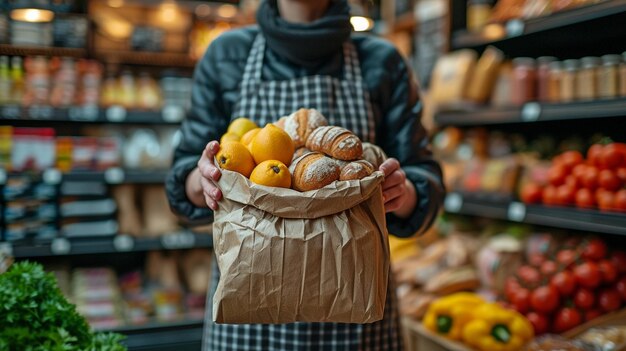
336,142
313,171
354,170
300,124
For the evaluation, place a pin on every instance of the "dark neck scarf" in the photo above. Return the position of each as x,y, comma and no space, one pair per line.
305,44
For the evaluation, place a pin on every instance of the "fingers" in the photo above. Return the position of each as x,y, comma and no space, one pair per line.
395,204
212,194
389,166
212,148
396,178
205,165
393,193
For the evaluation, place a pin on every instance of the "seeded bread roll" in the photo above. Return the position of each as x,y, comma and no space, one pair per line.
300,124
336,142
356,170
313,171
374,154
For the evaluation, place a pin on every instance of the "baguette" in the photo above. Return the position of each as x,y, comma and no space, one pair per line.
313,171
336,142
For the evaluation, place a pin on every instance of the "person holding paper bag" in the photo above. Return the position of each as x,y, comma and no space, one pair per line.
303,54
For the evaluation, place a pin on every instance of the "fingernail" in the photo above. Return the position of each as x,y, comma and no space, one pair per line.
214,193
214,173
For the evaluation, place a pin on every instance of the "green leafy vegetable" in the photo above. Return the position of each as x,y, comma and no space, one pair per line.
35,316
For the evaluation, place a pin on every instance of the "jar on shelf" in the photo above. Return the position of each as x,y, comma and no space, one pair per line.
554,83
543,77
622,76
478,14
568,80
523,87
608,77
586,78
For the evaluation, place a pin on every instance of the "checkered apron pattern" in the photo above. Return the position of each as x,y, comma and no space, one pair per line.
344,102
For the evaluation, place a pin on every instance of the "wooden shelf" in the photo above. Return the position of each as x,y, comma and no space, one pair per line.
13,50
147,58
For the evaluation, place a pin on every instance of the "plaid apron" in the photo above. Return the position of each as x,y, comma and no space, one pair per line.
345,102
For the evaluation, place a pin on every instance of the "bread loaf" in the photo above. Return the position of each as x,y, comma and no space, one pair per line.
336,142
313,171
300,124
374,154
356,170
300,152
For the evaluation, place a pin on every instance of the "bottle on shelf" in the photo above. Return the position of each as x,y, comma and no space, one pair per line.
17,78
478,14
5,81
543,77
524,80
554,84
586,78
622,76
568,80
608,77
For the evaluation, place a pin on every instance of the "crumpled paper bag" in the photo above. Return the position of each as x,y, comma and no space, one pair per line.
286,256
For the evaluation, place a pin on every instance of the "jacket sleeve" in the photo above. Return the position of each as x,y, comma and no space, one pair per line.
205,121
402,135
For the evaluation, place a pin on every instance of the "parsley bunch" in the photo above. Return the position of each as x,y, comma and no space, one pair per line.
35,316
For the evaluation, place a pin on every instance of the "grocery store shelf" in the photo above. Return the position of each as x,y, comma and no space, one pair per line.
519,29
532,112
147,58
116,244
163,336
17,50
117,176
113,114
557,217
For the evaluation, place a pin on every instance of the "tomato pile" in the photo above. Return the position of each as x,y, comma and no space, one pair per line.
581,281
597,181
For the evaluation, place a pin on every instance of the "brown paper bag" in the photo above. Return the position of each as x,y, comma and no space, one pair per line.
286,256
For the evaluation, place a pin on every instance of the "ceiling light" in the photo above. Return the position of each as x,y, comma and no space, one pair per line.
227,11
32,15
361,23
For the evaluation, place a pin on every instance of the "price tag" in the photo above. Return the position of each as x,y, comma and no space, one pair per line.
83,113
11,111
116,113
52,176
3,176
515,28
453,202
531,112
40,112
173,113
60,246
516,212
123,243
114,175
178,241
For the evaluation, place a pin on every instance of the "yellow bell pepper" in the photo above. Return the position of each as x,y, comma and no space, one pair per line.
497,329
448,315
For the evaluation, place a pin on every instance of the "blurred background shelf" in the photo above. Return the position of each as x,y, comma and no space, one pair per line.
163,336
118,176
532,112
147,58
19,50
556,217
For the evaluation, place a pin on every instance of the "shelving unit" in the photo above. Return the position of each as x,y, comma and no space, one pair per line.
556,217
147,58
163,336
532,112
13,50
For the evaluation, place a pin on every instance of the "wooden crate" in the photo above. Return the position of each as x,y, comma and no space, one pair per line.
418,338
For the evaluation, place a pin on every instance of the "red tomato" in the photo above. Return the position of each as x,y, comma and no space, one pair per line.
590,178
611,157
619,201
521,300
608,180
566,257
572,182
511,286
594,249
557,174
564,282
592,314
585,198
593,154
544,299
587,275
579,172
531,193
605,199
609,300
548,268
618,258
536,259
621,174
548,196
540,322
608,271
528,275
621,287
584,299
571,159
565,195
566,319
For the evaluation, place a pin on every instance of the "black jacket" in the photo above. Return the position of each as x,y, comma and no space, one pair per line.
394,98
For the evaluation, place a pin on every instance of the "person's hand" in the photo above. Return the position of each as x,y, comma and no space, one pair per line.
201,185
398,193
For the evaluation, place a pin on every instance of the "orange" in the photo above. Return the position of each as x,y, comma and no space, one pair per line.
247,138
271,173
241,126
234,156
272,143
229,137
